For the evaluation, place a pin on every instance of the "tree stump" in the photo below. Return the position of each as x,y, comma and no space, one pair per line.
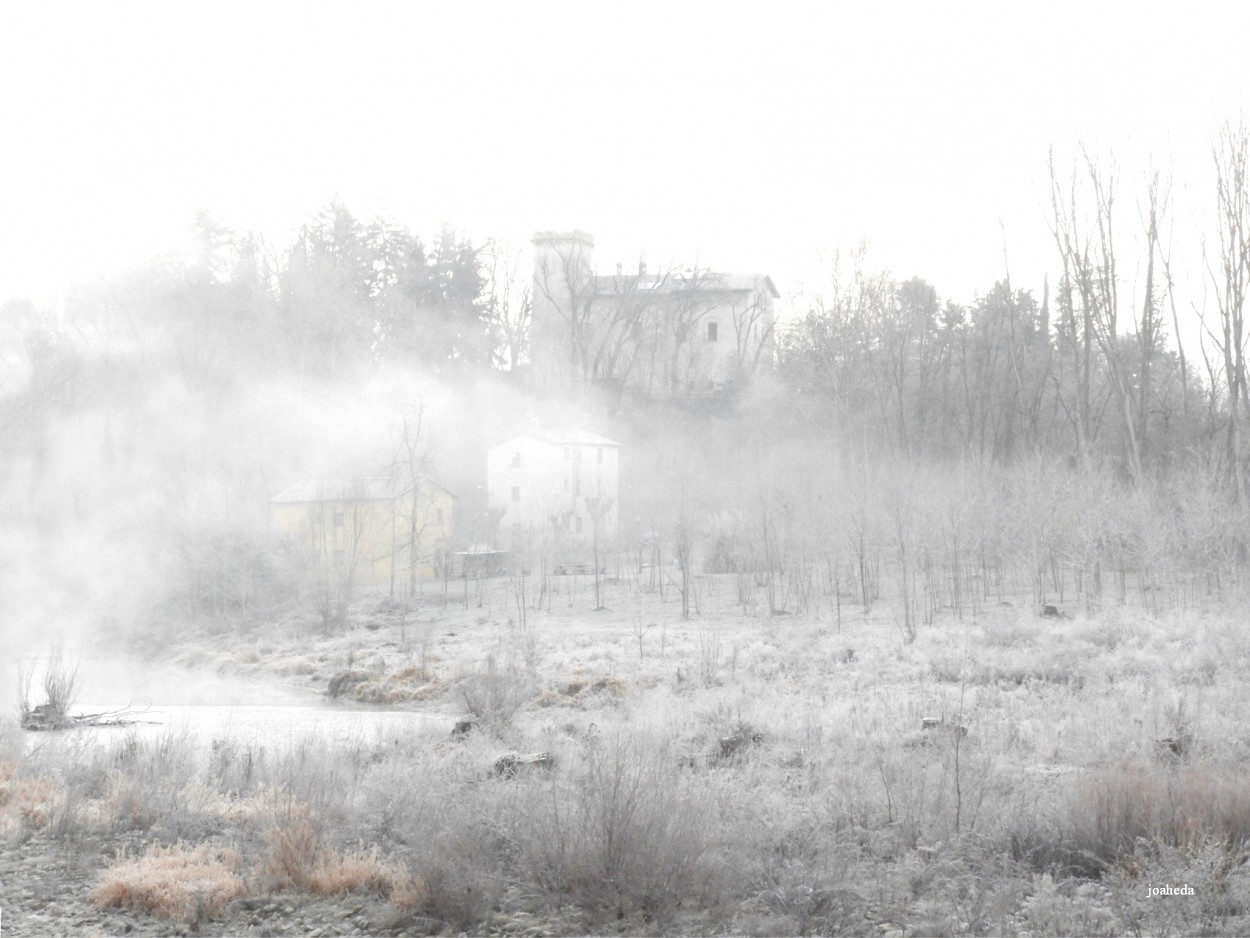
46,716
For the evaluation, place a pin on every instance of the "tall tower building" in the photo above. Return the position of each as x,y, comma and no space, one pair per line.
563,292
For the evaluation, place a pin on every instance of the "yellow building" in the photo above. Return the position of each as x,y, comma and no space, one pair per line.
375,534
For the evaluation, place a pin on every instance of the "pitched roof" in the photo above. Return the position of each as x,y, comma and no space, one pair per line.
348,490
563,438
702,282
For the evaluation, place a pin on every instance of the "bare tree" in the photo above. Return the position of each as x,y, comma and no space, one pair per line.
834,351
1076,297
1230,277
754,325
1149,327
640,330
335,532
564,287
603,325
678,357
509,305
407,478
1107,306
627,340
1085,236
598,508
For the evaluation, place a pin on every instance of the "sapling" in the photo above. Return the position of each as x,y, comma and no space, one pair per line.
60,689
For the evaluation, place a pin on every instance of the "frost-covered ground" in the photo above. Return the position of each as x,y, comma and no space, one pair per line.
742,772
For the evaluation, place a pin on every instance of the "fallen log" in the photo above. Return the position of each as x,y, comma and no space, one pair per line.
46,717
511,764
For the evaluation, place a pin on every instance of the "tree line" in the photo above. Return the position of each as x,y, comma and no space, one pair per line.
1095,371
153,409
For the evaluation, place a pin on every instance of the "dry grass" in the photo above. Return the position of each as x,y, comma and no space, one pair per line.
392,692
181,883
406,684
552,698
293,850
29,802
248,654
338,873
297,857
8,770
409,894
794,792
410,674
1113,812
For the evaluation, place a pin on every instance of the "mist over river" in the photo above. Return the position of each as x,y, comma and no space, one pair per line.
209,706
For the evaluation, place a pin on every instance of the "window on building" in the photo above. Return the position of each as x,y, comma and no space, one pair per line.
711,332
566,483
338,519
568,452
438,516
599,458
579,524
516,493
577,486
516,460
577,454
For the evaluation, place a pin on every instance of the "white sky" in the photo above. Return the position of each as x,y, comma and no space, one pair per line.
744,137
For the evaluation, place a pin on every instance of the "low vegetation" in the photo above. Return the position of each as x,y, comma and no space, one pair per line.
1004,772
181,883
60,688
926,619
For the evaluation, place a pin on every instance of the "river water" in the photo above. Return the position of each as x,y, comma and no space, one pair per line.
209,706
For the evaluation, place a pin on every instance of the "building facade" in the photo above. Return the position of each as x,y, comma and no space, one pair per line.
554,489
660,334
378,534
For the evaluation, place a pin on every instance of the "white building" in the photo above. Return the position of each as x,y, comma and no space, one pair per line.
548,484
661,334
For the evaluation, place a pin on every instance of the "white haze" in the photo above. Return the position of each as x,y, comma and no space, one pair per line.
757,140
741,138
96,515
